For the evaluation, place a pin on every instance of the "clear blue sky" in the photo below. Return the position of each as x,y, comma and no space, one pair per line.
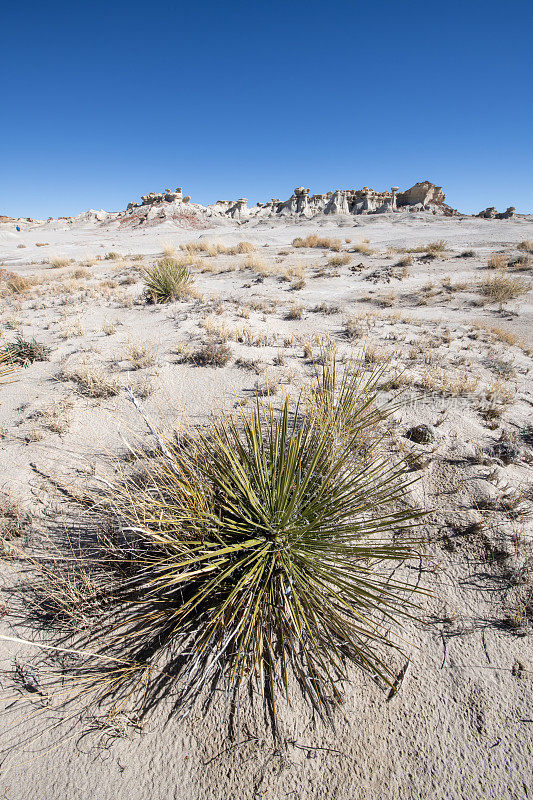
102,102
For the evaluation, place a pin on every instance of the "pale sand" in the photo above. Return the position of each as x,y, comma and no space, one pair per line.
461,724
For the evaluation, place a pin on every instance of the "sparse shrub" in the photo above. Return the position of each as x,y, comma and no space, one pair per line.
362,247
339,261
242,248
294,312
91,380
526,245
260,547
210,354
59,261
404,262
12,283
324,308
318,241
436,247
497,261
14,521
167,280
112,256
141,355
25,351
519,264
467,254
169,250
502,288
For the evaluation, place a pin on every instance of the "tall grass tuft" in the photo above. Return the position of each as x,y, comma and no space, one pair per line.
169,279
256,550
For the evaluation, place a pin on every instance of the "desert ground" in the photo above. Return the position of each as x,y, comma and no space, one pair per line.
445,305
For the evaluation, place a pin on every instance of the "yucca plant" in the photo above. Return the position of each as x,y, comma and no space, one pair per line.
257,549
7,368
25,351
167,280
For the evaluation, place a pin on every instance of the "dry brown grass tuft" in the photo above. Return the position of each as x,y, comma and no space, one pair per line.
497,261
362,247
502,288
526,245
141,354
210,354
294,312
59,261
339,261
92,381
318,241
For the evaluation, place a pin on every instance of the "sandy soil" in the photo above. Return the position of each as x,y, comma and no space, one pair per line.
461,723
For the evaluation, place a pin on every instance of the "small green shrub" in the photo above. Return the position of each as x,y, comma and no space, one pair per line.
25,351
169,279
254,548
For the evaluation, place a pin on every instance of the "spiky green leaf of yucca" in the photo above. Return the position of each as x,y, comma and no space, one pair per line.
7,367
167,280
263,548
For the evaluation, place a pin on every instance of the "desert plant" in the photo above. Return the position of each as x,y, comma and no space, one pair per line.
526,245
502,288
497,261
167,280
254,548
318,241
59,261
212,353
339,261
90,380
25,351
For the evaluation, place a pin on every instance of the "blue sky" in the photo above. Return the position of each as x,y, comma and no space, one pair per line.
102,102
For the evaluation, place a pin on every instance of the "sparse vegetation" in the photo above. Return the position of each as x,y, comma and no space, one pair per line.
92,381
59,261
210,354
270,546
169,279
497,261
502,288
25,351
339,261
318,241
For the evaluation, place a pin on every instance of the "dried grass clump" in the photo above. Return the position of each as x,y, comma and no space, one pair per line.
497,261
217,248
526,245
13,284
169,279
318,241
59,261
339,261
294,312
14,521
259,552
112,256
90,380
210,354
141,355
502,288
362,247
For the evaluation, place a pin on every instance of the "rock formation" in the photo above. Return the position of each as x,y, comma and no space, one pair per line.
491,213
424,196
